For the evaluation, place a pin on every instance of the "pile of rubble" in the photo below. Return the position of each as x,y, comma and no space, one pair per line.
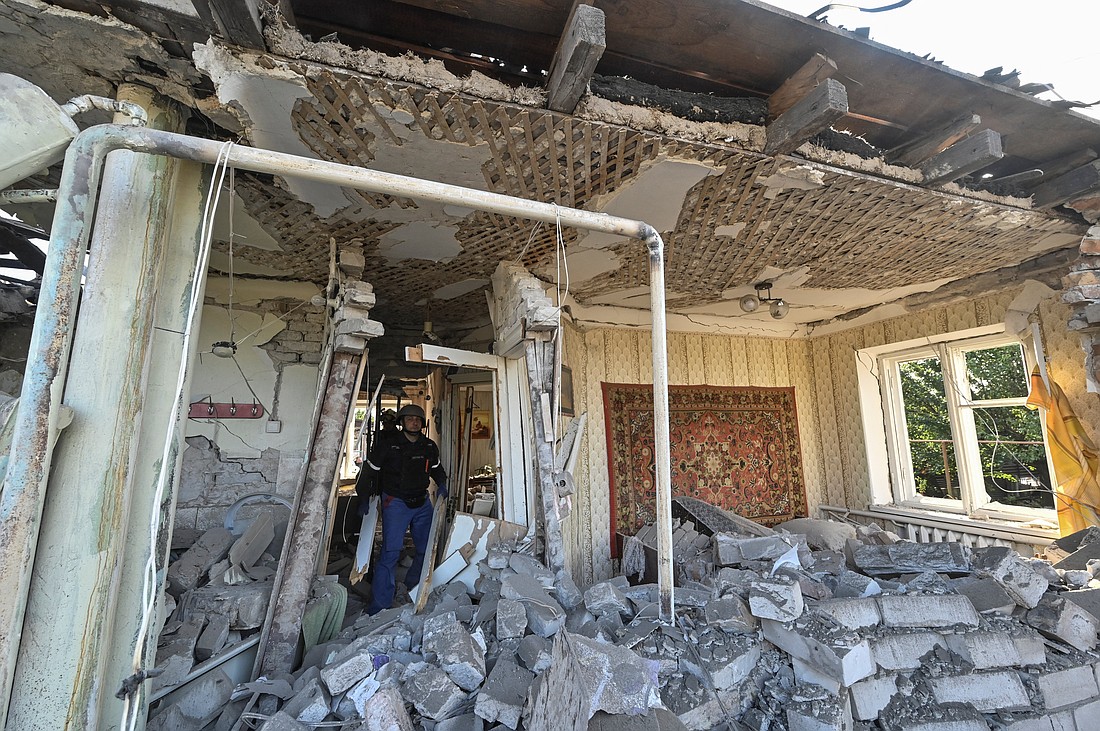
831,627
217,595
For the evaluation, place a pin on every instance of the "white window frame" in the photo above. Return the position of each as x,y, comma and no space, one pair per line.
888,454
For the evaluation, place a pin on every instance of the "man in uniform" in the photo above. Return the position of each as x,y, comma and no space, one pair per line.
399,469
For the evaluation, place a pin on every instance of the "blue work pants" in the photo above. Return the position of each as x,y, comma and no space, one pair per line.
397,517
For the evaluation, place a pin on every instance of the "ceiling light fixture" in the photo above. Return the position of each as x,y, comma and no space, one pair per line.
777,307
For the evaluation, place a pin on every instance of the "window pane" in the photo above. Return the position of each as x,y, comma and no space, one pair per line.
1014,464
929,430
996,373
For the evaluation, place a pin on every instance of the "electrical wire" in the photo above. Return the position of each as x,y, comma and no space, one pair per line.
131,707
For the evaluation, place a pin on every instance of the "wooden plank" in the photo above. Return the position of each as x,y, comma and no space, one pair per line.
1074,184
963,158
239,21
1062,165
800,83
423,587
575,59
365,548
824,105
932,143
299,563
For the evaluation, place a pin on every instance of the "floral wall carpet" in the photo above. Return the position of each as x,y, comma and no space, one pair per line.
734,447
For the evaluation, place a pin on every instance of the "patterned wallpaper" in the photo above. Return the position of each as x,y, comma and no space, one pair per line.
821,369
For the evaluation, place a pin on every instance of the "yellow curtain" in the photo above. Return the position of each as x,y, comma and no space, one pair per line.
1075,457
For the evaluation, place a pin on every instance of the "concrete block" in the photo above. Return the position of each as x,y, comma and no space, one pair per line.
1000,563
1079,559
847,659
657,719
544,615
985,691
776,599
1061,721
828,713
906,557
903,651
247,549
465,722
505,692
360,694
1032,648
985,650
730,614
212,638
1066,687
346,672
245,606
283,721
511,619
535,653
201,701
851,613
986,595
1065,620
914,610
726,668
1087,599
385,711
829,535
524,564
186,572
871,695
458,652
431,691
566,591
1085,715
309,705
850,584
731,549
605,597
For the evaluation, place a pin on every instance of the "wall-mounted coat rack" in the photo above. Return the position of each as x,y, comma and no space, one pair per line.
231,410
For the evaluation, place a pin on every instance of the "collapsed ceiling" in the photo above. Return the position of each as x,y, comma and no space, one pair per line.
835,232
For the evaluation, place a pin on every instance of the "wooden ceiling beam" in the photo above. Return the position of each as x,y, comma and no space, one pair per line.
1062,165
1078,183
799,84
575,59
932,143
963,157
239,20
822,106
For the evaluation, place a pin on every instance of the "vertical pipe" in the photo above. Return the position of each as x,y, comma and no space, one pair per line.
23,493
68,628
662,450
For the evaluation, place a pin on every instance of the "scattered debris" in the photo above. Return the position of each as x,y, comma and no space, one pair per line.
775,630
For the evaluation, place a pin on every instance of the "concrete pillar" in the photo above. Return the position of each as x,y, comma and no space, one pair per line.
62,668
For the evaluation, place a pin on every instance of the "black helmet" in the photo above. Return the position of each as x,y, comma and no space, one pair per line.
410,410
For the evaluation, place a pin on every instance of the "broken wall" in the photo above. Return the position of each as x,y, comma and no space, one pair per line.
280,336
823,374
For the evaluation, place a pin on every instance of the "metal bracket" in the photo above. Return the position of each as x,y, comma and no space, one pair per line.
231,410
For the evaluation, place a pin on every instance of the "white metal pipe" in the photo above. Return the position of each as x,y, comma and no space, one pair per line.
661,440
24,484
88,102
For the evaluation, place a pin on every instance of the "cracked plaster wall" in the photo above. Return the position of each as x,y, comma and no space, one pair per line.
281,340
822,371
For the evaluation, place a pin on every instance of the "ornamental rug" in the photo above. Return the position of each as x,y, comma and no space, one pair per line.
734,447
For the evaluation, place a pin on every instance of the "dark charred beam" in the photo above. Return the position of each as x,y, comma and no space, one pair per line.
914,152
800,83
1074,184
575,59
1062,165
238,20
824,105
963,158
